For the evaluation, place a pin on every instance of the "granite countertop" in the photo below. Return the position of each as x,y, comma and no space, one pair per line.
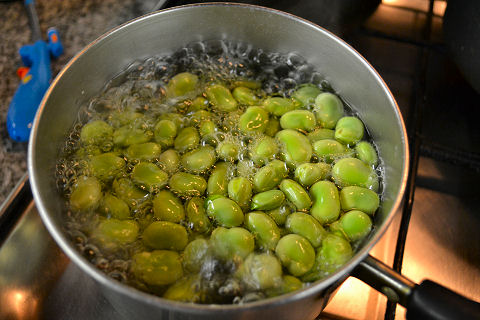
79,22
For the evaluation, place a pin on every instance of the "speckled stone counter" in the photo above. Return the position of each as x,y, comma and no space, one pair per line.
79,22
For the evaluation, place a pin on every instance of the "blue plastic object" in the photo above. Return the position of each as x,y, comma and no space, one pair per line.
33,84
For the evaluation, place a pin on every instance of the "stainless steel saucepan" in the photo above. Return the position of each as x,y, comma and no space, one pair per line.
166,31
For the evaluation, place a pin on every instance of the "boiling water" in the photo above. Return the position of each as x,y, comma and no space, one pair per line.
141,88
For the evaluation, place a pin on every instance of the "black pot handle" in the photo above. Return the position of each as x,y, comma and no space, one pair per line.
425,301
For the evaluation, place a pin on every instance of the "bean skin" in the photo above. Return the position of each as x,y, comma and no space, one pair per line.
363,199
165,235
326,202
296,254
187,184
167,207
354,172
307,226
267,200
225,212
86,194
295,145
264,229
349,130
328,109
296,194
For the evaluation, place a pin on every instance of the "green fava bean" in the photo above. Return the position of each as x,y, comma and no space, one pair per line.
254,119
289,284
199,116
187,184
278,106
113,232
106,166
251,84
309,173
185,290
303,120
86,194
119,118
176,118
263,150
264,229
334,252
165,132
157,268
320,134
280,214
245,96
306,226
169,161
296,194
199,160
269,176
197,216
354,172
113,207
366,152
167,207
149,177
268,200
240,191
206,127
144,151
228,151
199,103
349,130
128,135
218,182
194,254
186,139
181,84
96,132
165,235
328,109
359,198
306,94
225,212
126,190
232,244
329,150
296,254
295,145
356,225
221,98
272,127
326,202
261,271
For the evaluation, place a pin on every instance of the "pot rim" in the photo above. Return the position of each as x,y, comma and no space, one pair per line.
315,288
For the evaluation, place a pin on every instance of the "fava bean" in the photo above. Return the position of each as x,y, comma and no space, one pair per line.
267,200
354,172
306,94
320,134
272,127
228,151
233,244
289,284
245,96
206,128
197,215
349,130
128,135
86,194
195,253
218,182
306,226
181,84
186,139
296,194
334,252
144,151
225,212
356,224
309,173
328,109
295,145
165,235
269,176
240,191
185,290
254,119
119,118
263,150
221,98
251,84
176,118
278,106
167,207
197,117
111,233
261,271
169,161
113,207
326,202
157,268
264,229
187,184
329,150
199,103
106,166
97,132
366,152
302,120
199,160
359,198
149,177
165,132
280,214
126,190
296,254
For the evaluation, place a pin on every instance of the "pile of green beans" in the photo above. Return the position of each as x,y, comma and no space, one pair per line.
278,189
